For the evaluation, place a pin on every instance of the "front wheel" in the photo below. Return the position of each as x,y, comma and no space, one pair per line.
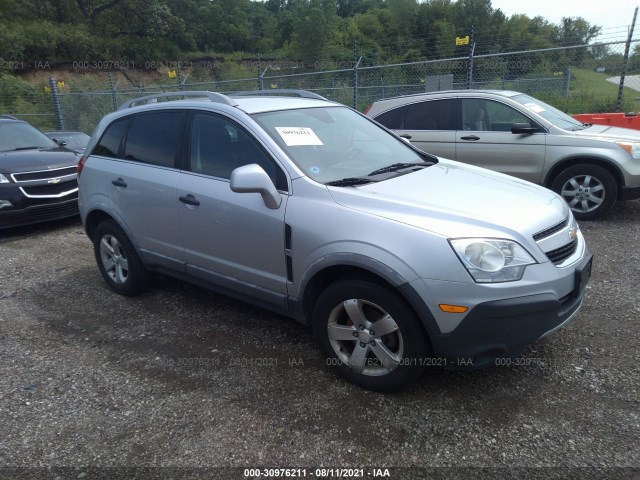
370,334
589,190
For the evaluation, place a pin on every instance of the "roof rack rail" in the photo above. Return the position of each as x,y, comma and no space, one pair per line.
213,96
285,92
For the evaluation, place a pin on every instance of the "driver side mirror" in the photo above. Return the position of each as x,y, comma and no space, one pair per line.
61,143
253,179
524,128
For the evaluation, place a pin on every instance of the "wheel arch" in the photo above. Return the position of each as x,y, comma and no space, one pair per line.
316,283
94,218
98,215
582,159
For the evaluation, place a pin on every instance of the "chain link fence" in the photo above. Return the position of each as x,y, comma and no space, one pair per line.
580,79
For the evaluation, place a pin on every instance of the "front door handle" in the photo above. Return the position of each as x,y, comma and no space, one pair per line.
473,138
189,200
406,135
119,183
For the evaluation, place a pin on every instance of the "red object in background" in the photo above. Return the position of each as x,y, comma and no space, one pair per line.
624,120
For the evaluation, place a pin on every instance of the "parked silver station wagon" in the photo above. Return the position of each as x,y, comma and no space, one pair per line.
591,166
397,259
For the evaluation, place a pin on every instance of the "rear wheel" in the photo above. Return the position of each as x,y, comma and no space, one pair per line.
589,190
370,335
118,260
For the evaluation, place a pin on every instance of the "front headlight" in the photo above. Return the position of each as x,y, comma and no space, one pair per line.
490,260
3,179
632,149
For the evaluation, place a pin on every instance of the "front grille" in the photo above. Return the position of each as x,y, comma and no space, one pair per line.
44,174
53,190
67,208
54,183
559,255
550,231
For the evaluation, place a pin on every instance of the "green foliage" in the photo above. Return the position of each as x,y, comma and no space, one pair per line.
21,98
391,31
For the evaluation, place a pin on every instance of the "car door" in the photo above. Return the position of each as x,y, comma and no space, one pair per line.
231,239
485,140
431,126
140,169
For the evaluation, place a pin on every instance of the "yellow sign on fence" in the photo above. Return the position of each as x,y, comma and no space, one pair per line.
462,40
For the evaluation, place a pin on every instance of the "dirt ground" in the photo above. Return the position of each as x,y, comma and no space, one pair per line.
183,383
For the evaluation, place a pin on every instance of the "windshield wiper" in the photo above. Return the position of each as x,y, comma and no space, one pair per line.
350,181
25,148
397,166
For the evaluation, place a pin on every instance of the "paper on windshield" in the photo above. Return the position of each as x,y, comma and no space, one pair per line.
298,136
534,107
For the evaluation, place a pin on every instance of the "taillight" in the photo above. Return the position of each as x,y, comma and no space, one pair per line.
368,108
81,164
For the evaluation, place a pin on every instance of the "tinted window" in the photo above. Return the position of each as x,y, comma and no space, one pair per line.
432,115
153,138
219,146
392,119
109,144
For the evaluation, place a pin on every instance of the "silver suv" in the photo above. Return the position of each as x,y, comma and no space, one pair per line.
591,166
397,260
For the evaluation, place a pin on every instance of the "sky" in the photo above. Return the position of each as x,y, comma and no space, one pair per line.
614,16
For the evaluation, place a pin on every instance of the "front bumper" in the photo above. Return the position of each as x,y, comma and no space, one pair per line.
630,193
42,212
501,329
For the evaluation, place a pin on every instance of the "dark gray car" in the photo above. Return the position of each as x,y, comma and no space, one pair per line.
38,178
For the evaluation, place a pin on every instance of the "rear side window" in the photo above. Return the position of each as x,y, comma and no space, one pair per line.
431,115
109,144
392,119
154,137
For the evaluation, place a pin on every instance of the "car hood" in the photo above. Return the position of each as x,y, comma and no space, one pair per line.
605,132
456,200
36,159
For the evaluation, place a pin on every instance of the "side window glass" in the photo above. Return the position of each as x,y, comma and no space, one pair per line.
109,144
392,119
219,146
475,116
499,117
431,115
153,138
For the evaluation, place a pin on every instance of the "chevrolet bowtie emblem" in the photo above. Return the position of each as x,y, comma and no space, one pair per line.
54,180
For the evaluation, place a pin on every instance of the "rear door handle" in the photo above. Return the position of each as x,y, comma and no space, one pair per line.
189,200
405,135
470,137
119,183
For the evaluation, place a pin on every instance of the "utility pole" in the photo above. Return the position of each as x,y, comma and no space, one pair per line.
625,60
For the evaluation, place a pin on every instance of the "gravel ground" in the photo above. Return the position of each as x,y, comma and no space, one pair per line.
181,382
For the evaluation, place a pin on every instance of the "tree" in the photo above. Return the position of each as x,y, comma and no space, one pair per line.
576,31
313,24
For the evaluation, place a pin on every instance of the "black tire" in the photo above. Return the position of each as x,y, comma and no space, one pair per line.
403,349
118,261
590,190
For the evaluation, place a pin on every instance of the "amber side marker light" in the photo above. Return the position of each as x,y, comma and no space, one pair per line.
453,308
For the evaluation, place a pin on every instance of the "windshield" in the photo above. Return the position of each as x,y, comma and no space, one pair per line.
552,114
72,139
333,143
22,136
